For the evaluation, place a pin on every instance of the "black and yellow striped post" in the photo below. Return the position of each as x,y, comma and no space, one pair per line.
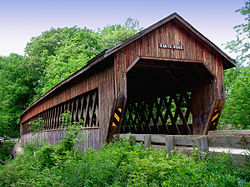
116,118
215,115
214,119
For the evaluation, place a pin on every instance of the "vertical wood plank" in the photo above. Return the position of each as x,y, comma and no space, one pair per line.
147,141
169,144
203,146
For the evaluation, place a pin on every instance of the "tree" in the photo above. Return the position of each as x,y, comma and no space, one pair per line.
41,48
69,58
15,92
241,45
112,35
237,107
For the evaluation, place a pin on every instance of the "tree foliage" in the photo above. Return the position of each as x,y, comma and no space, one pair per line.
112,35
15,92
68,58
236,111
41,48
237,107
241,45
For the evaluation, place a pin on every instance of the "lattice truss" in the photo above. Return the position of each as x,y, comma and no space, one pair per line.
165,114
84,107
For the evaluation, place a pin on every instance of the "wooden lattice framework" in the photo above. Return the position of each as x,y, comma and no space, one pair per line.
162,115
83,107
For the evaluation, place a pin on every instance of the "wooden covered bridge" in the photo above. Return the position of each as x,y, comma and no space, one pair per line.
167,79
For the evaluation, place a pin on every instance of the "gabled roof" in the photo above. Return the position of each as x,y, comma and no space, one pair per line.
228,63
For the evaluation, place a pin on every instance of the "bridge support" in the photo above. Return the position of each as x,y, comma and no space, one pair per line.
116,119
206,109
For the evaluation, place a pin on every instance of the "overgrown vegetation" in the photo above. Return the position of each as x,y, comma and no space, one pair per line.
236,111
37,125
5,151
123,163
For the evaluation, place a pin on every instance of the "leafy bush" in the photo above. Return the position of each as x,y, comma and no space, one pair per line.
123,163
5,151
37,125
72,130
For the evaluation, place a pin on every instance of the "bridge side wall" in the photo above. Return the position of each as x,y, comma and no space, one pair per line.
101,79
90,138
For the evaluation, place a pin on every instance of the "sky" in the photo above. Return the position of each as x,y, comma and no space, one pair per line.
20,20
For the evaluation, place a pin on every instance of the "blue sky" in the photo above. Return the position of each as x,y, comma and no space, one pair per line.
22,19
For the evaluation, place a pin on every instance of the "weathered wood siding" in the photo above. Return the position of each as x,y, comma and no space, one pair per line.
90,138
102,79
171,33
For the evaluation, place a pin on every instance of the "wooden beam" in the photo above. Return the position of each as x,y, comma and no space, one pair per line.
147,141
228,132
202,106
159,59
202,141
169,144
203,144
116,118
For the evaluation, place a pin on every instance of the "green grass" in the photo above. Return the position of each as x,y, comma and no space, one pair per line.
123,163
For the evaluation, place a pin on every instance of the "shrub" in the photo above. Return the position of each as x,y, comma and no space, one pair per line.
123,163
5,151
37,125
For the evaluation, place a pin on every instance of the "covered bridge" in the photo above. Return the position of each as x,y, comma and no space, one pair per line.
167,79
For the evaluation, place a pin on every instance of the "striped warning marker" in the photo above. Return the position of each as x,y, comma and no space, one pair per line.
117,117
215,117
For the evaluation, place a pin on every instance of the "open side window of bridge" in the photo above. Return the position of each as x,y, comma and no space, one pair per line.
167,79
82,108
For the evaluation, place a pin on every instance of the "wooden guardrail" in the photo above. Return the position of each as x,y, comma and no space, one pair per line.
229,132
204,143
